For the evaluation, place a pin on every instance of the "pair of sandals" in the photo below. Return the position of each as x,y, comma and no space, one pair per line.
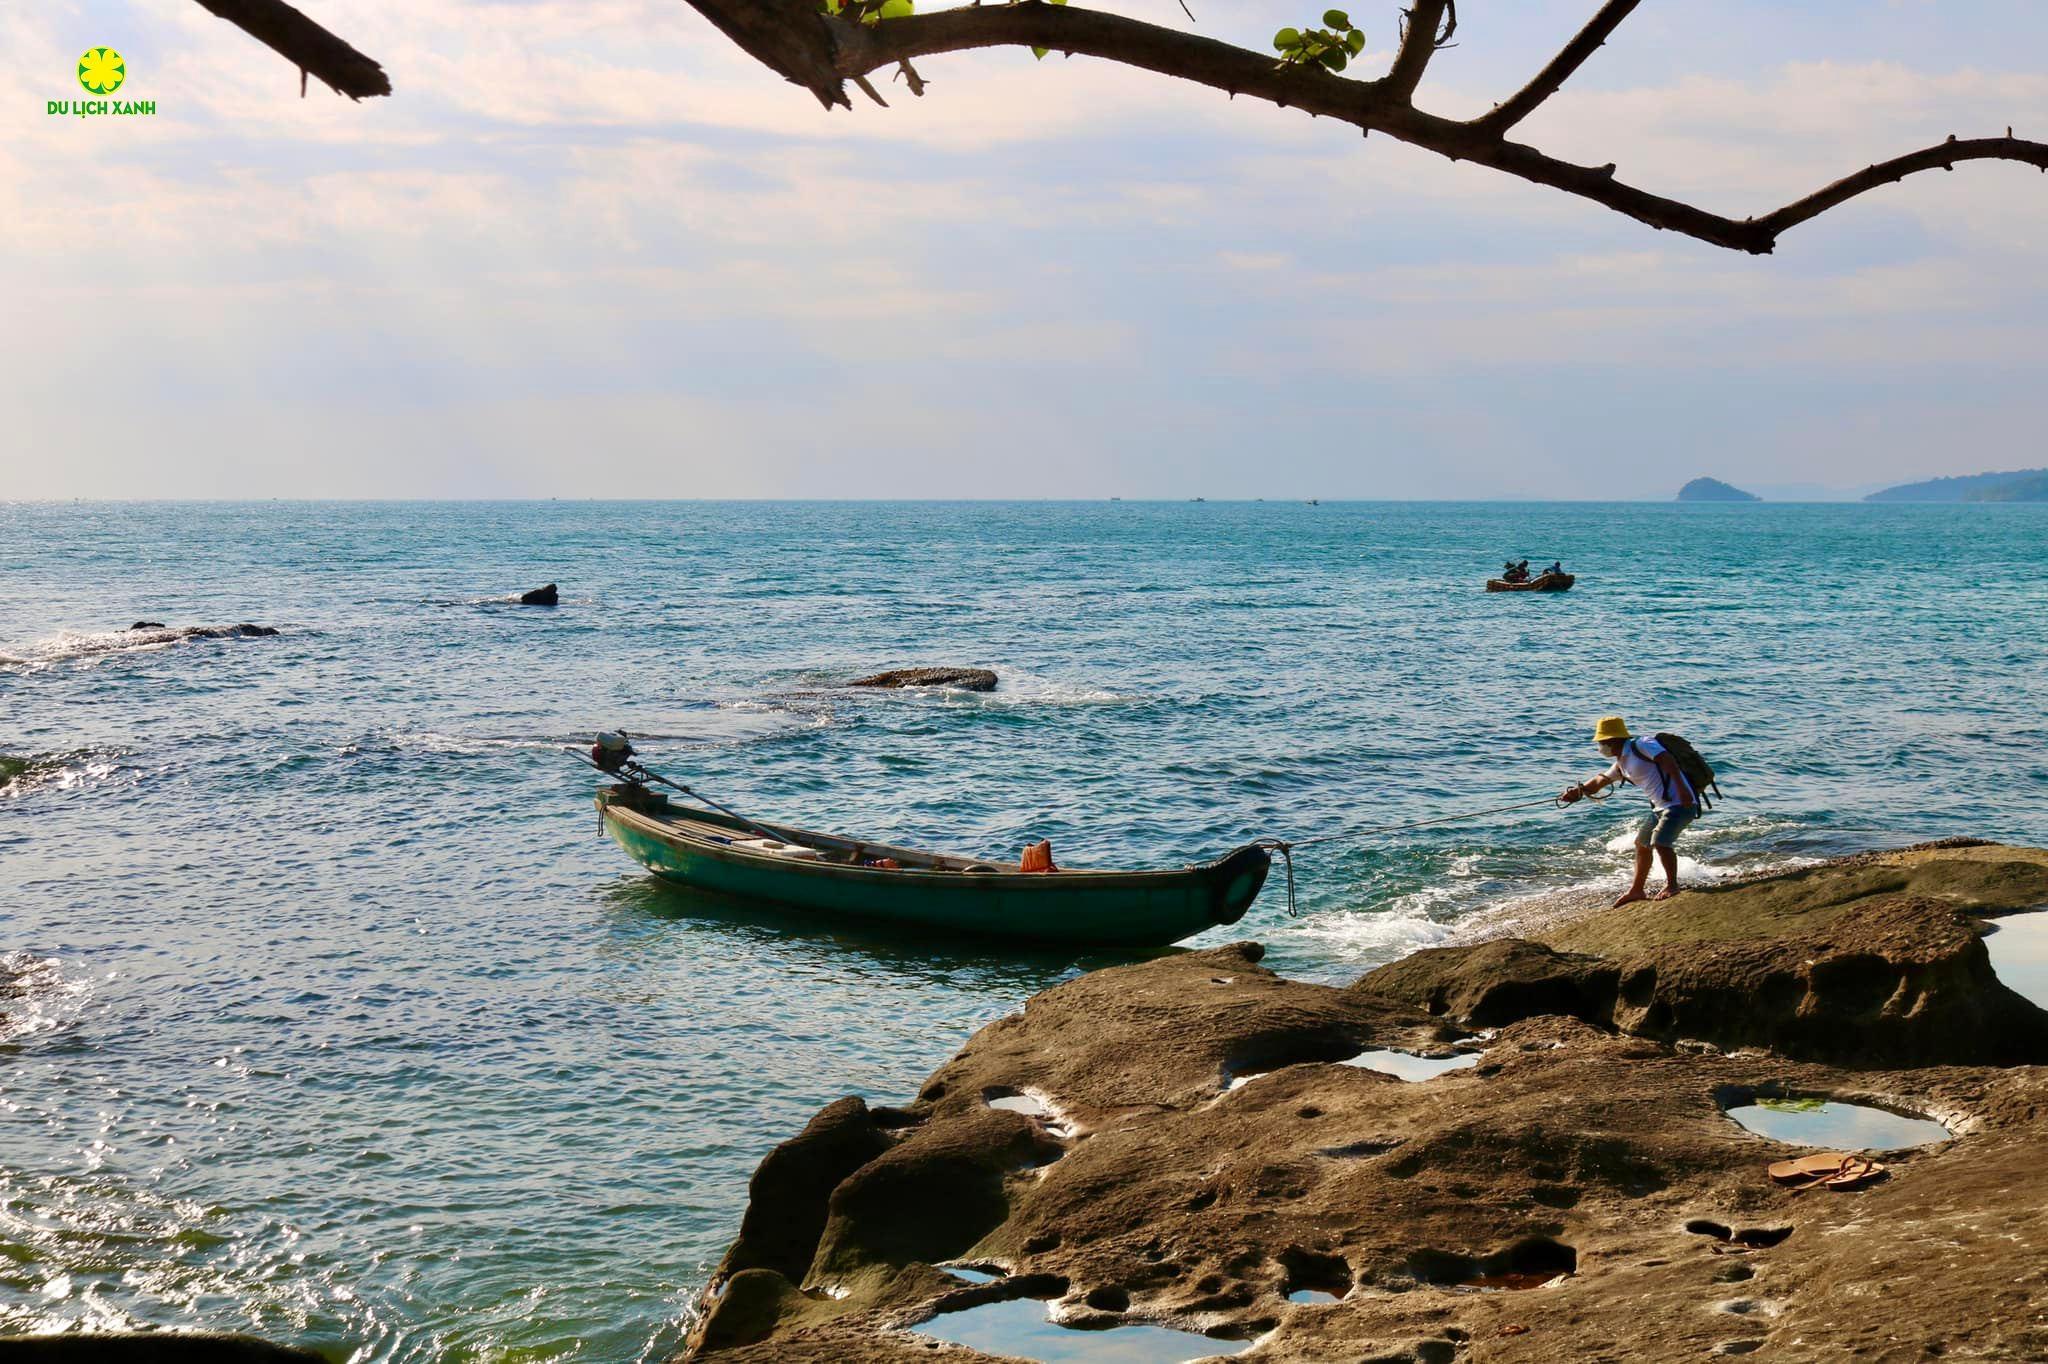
1840,1170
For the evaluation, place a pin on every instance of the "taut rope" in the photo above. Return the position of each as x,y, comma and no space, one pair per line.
1286,847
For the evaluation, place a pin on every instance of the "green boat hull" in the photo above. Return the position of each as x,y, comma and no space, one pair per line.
1121,909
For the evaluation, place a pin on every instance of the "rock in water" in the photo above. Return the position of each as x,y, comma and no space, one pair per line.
966,679
540,596
147,625
1714,490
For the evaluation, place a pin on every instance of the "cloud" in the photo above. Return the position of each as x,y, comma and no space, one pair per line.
599,225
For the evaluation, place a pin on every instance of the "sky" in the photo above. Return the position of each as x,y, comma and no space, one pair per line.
588,248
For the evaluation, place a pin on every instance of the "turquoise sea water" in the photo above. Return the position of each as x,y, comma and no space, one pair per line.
341,1024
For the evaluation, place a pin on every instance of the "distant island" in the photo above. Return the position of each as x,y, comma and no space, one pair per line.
2021,485
1714,490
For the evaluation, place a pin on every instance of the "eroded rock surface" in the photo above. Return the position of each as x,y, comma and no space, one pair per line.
1094,1148
966,679
1874,960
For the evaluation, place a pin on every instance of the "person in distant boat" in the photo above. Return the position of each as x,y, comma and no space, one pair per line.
1646,765
1556,569
1518,572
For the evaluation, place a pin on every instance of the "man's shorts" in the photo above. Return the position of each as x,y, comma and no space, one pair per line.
1661,828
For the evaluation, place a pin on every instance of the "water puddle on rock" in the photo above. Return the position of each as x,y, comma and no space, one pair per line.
1407,1065
1837,1126
1312,1295
971,1274
1403,1065
2018,945
1020,1328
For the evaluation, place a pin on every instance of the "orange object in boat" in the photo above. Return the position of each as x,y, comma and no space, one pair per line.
1038,857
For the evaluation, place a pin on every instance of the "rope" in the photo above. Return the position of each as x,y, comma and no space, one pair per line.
1286,848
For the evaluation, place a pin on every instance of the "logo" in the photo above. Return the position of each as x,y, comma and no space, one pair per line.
101,70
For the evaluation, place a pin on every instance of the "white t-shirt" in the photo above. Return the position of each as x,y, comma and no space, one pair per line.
1638,764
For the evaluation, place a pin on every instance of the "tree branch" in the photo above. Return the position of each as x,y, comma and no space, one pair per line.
305,45
1589,40
1945,155
821,53
1419,42
791,37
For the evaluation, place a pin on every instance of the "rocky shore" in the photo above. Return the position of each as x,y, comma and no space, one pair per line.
1195,1142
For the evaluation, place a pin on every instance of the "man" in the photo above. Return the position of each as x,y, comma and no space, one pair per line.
1644,764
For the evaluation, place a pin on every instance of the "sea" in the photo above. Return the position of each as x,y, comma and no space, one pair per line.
334,1019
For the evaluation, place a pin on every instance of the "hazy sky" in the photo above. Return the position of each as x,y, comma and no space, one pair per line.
588,248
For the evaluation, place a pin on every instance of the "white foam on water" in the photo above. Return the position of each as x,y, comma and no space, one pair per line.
1378,935
39,997
87,647
1015,689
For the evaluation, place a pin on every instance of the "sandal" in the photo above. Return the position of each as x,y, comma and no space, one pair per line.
1828,1169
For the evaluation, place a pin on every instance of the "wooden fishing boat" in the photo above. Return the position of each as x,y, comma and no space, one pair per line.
1548,582
823,874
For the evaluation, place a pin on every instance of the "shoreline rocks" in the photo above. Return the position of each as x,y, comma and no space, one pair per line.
1182,1142
965,679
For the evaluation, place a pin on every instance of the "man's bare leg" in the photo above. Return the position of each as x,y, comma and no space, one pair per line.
1635,890
1668,857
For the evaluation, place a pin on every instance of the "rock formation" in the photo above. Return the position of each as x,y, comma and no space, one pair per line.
1193,1148
1714,490
541,596
177,632
966,679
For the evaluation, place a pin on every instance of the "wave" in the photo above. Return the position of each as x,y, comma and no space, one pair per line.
36,997
727,724
69,645
81,767
1015,690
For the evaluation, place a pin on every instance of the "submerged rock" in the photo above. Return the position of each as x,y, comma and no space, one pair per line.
966,679
1580,1194
540,596
176,632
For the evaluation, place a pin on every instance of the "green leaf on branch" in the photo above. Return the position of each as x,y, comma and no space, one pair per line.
1331,47
868,12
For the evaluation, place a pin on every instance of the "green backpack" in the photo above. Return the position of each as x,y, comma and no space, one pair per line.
1698,774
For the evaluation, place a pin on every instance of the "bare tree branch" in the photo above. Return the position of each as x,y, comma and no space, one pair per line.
1419,42
1945,155
1590,38
305,45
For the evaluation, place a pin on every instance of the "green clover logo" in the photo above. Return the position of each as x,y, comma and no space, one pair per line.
101,70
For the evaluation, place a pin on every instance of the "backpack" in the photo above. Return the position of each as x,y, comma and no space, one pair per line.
1698,774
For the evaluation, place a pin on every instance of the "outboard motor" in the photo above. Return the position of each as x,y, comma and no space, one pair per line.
611,753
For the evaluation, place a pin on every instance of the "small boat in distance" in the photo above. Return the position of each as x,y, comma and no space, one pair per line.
827,875
1547,582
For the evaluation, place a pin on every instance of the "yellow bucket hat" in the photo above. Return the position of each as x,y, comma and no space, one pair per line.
1611,727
